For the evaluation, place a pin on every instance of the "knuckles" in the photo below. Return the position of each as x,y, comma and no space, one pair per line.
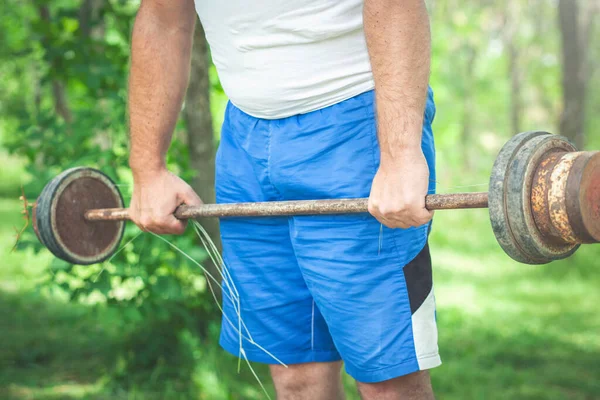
158,224
399,215
373,209
155,216
145,221
390,212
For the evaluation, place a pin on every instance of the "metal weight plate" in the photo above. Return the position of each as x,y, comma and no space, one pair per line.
535,247
59,216
41,215
497,196
584,208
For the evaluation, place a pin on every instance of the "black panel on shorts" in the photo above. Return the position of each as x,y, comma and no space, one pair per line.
419,278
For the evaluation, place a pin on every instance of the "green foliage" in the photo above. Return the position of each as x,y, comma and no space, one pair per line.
143,325
65,107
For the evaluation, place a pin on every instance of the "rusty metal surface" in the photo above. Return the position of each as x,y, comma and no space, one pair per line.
557,194
583,197
43,216
60,220
276,208
457,201
498,202
107,214
539,195
520,175
81,237
300,207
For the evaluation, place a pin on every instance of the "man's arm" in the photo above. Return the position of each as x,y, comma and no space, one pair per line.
160,68
399,43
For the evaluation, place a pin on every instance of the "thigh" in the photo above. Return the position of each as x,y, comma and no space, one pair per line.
268,313
372,284
267,308
374,292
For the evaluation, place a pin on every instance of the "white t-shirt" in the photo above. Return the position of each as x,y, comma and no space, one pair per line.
278,58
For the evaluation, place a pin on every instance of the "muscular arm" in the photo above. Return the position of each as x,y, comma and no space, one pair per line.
160,68
399,43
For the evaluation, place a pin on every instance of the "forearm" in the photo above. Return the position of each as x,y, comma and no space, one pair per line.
160,67
399,43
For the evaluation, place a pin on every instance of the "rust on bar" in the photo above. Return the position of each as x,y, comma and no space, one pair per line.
108,214
300,207
456,201
275,208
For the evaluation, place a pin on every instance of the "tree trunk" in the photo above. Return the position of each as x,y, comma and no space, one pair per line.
510,34
515,89
61,105
468,106
89,14
59,95
200,135
575,42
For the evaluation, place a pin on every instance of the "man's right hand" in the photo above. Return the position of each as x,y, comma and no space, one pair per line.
156,195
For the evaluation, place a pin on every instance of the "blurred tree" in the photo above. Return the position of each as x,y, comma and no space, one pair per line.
65,64
576,18
61,104
63,72
200,135
89,19
469,53
509,36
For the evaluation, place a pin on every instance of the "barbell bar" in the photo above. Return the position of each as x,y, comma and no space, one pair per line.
544,202
295,207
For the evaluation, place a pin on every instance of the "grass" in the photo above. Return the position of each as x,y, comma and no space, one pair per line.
507,331
510,330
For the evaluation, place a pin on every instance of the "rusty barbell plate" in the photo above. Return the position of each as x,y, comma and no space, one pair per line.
584,209
557,197
540,203
41,217
59,216
535,248
497,196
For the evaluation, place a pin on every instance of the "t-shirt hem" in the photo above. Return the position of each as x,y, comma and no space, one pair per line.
330,101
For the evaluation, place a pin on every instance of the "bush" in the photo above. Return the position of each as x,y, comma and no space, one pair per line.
76,118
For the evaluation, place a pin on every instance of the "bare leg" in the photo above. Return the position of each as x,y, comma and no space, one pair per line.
309,381
415,386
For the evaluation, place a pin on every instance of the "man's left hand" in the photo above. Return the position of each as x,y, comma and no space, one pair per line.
398,191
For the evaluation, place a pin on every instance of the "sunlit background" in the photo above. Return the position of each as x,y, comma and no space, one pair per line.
143,325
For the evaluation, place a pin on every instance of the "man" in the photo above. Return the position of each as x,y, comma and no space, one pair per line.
303,77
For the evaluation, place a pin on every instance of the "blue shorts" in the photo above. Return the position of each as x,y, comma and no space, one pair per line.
321,288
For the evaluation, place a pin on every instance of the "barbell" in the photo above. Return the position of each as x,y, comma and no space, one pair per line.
543,199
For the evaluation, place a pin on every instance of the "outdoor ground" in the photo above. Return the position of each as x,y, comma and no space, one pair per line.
507,331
